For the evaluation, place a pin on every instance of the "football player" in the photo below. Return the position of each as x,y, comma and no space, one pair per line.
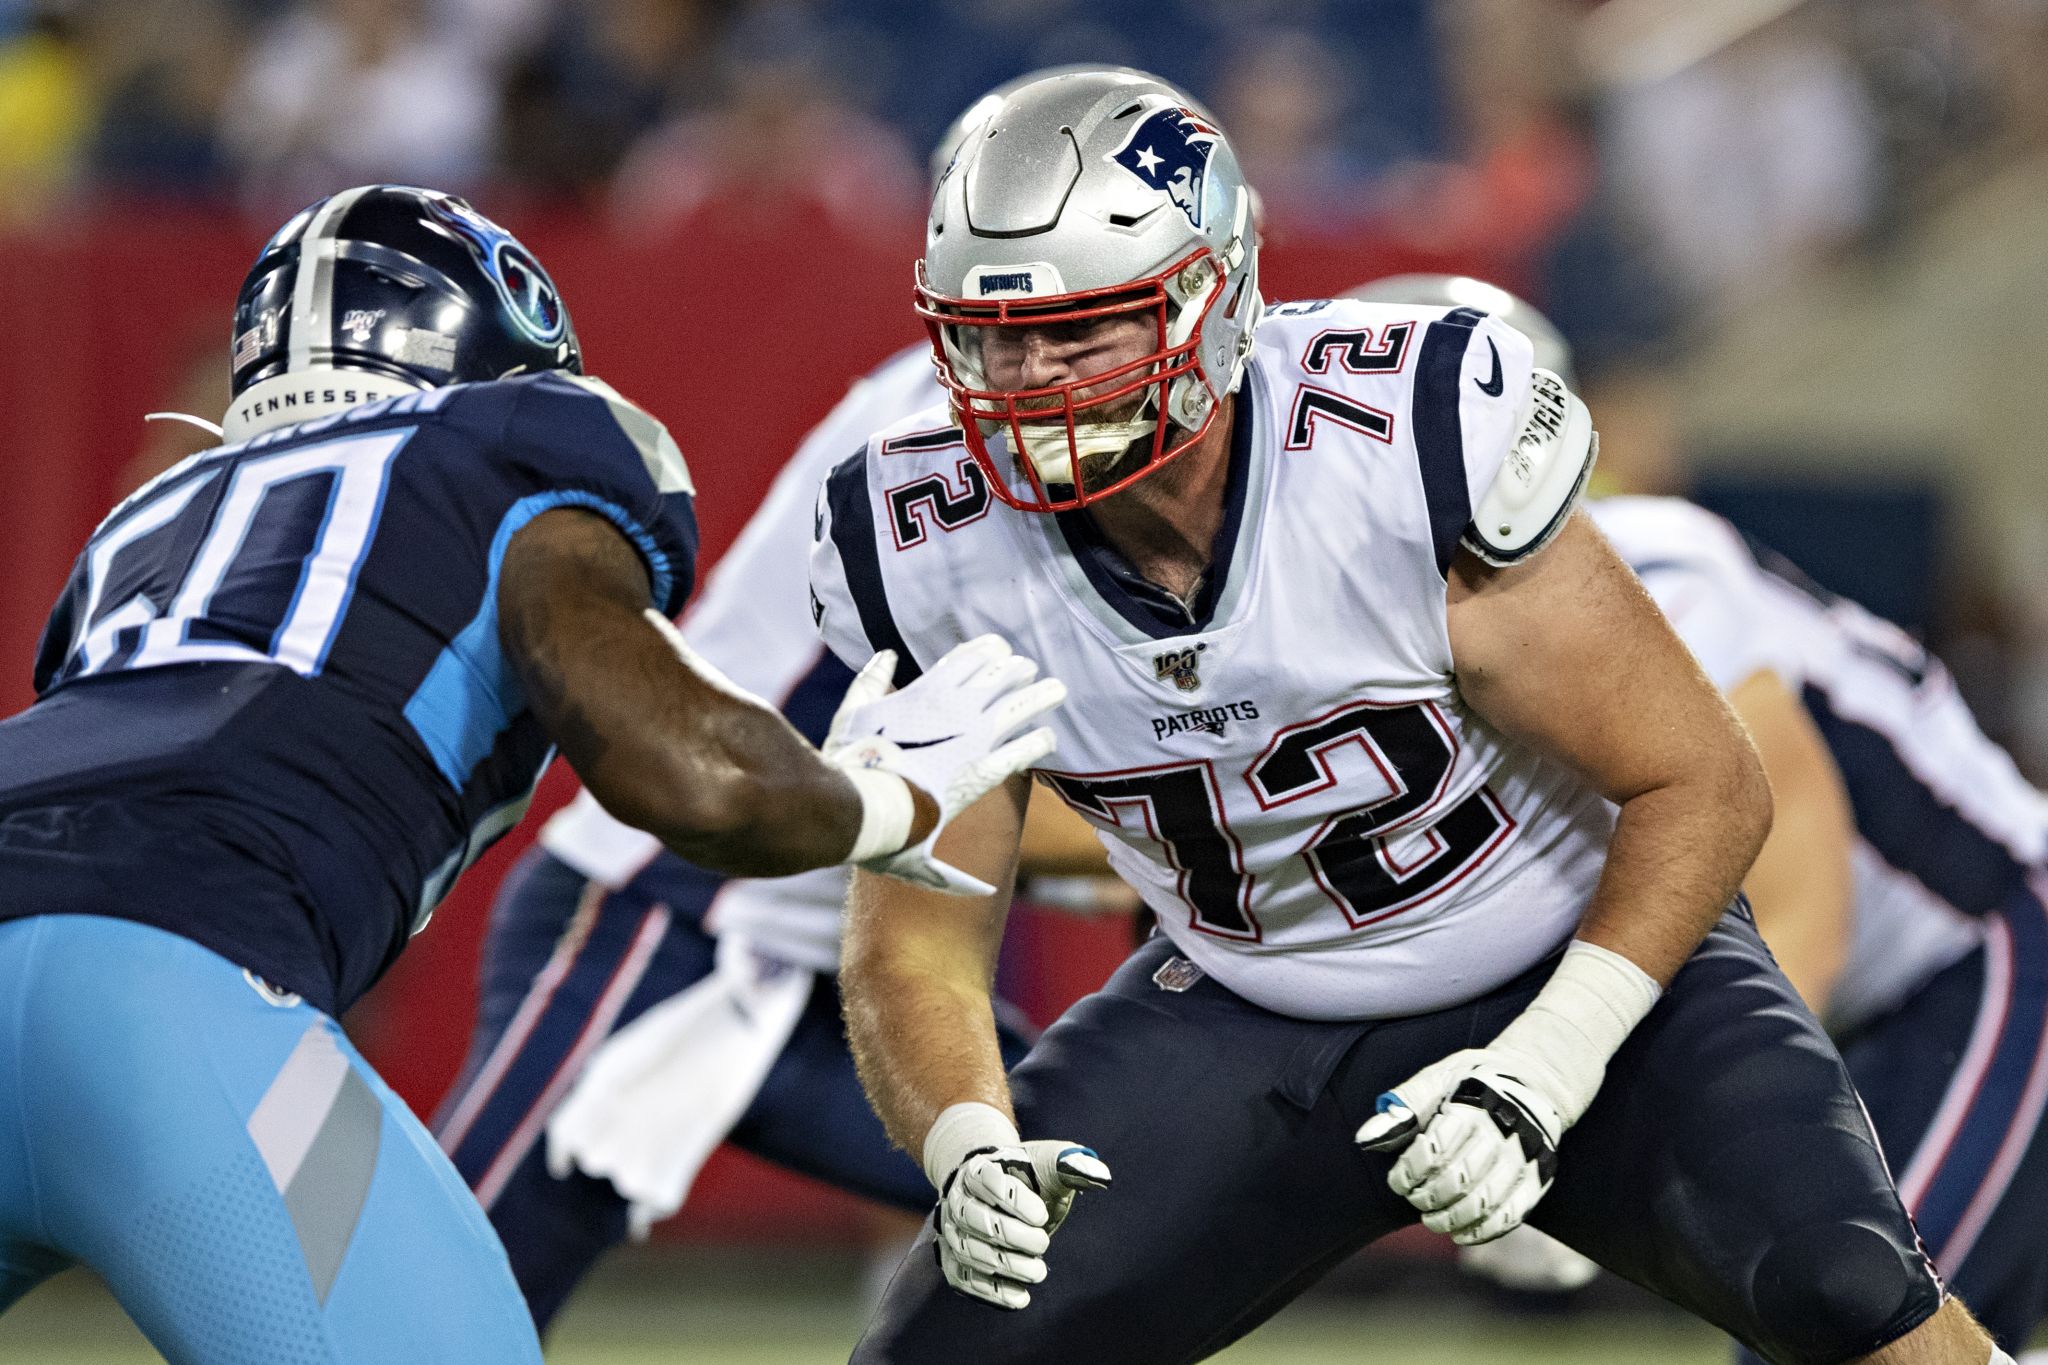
1899,888
293,687
1442,824
608,1060
1910,915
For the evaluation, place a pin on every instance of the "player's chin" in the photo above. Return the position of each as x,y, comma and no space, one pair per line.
1100,471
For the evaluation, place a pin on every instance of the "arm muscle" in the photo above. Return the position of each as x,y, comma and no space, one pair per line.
1567,653
720,778
1801,886
917,976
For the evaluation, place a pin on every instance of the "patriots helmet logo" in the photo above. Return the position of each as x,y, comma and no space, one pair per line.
1169,150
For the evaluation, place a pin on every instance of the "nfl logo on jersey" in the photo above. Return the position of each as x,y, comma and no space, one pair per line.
1179,665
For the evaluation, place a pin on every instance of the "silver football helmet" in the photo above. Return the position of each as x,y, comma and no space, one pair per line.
1086,195
974,115
1553,352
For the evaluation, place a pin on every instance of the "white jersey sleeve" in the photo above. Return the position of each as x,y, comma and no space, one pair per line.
1707,583
1496,371
754,617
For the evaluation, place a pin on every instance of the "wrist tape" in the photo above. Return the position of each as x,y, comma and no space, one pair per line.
1578,1021
885,813
960,1129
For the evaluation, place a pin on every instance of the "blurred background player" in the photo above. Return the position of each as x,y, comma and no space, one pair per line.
295,686
718,996
1900,887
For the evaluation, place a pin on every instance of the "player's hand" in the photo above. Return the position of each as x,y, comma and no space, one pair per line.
1531,1260
952,734
1478,1143
998,1210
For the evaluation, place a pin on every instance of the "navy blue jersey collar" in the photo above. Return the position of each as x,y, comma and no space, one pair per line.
1140,601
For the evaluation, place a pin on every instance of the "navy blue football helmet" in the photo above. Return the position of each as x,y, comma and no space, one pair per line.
383,290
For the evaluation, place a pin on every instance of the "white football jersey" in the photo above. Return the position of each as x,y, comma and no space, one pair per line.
1946,826
1284,771
753,621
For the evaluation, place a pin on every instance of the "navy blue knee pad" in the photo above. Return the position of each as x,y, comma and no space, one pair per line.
1832,1291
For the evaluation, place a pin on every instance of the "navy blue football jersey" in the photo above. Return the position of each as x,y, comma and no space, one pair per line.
273,715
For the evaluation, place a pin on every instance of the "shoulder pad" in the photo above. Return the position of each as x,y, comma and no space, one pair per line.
657,448
1546,468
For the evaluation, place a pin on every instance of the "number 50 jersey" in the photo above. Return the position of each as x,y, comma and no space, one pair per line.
1282,767
273,715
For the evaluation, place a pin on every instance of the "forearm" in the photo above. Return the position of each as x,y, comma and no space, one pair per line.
1803,884
916,977
716,775
1676,856
1676,859
1801,905
921,1046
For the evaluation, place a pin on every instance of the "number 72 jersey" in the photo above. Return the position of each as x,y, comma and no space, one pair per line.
1283,766
273,715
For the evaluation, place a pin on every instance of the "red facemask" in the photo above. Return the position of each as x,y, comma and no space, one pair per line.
1050,440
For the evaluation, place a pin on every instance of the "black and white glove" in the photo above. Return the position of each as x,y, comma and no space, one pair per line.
1478,1131
1478,1144
953,734
1000,1202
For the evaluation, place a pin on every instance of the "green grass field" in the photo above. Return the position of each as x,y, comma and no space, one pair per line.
756,1309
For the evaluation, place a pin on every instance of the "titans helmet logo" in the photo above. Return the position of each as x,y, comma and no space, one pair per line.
1169,150
526,289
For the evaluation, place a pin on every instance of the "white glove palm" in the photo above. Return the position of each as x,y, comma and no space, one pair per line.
1478,1144
998,1210
1530,1260
950,734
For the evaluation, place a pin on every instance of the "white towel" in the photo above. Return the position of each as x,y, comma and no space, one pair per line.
660,1095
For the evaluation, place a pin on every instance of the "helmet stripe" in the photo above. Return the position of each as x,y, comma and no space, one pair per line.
312,326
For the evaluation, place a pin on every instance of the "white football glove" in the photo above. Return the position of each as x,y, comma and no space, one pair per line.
998,1210
1478,1131
1529,1259
1478,1145
950,734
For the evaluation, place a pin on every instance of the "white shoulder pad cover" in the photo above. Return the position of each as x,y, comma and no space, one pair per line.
1545,470
657,448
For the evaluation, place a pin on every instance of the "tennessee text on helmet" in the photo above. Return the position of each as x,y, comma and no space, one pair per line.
1091,195
384,290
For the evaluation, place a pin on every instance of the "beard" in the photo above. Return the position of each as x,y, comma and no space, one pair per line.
1111,441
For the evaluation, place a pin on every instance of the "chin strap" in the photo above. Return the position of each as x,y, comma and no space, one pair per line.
1045,445
212,428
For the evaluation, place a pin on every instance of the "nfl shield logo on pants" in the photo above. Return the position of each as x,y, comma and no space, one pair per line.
1176,974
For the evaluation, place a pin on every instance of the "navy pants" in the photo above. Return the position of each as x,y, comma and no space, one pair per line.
1956,1080
1725,1165
565,964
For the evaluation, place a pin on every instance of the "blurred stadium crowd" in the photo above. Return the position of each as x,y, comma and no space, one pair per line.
1711,146
1646,171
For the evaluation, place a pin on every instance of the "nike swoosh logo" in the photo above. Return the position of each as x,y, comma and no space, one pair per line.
1492,387
912,743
